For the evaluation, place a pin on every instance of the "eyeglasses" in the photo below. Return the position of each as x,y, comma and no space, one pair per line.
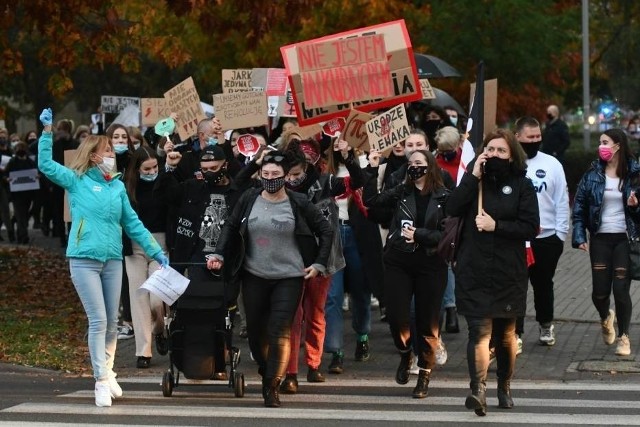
273,158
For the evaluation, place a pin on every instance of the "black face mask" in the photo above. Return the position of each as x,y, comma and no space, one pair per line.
431,126
497,168
416,172
449,156
32,140
21,153
4,141
214,178
531,148
550,117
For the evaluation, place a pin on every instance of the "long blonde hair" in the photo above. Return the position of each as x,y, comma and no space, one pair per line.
90,145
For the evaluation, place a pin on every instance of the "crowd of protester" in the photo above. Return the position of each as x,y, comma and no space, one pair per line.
305,221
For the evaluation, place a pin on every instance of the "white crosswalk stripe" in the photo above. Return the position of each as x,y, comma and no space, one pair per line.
347,400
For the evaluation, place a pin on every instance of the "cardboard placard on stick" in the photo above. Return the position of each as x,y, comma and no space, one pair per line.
306,132
355,129
286,105
490,103
427,90
345,70
183,99
236,81
241,110
388,129
404,82
152,110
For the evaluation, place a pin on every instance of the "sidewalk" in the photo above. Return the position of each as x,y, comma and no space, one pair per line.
579,352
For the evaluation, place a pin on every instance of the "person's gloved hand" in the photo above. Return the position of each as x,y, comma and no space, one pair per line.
46,117
162,260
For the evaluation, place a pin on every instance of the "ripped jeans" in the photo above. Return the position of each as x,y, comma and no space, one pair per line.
609,253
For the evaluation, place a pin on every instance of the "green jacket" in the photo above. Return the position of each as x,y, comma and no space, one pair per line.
100,210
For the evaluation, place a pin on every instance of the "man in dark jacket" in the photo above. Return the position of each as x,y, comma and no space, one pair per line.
555,138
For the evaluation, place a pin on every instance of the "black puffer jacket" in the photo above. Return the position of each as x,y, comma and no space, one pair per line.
491,271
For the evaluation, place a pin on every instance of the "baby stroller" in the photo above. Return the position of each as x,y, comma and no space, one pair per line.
198,330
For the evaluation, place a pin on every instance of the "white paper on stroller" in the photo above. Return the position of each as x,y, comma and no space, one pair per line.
167,284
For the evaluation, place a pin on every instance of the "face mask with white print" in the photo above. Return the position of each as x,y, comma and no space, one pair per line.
107,166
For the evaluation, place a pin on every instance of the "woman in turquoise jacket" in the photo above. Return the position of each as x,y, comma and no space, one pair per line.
100,210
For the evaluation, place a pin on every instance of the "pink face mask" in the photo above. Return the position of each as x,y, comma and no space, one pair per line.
605,153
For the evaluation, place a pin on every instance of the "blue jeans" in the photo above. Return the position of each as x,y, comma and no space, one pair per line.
449,299
359,292
98,285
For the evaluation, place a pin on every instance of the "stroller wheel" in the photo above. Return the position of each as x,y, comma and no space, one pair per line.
167,384
238,384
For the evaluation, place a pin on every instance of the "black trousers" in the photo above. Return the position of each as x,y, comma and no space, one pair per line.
609,253
546,252
414,275
270,305
502,333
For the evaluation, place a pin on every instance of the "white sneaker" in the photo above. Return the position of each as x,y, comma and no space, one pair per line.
125,332
441,353
414,370
608,333
547,336
114,387
623,348
374,301
103,394
519,349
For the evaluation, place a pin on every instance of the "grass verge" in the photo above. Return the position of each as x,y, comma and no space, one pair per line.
43,322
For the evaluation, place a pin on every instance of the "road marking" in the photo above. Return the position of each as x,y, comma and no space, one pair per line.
493,417
435,384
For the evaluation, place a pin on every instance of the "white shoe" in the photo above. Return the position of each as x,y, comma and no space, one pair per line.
345,302
519,343
414,370
547,336
374,301
114,387
441,353
624,346
608,333
103,393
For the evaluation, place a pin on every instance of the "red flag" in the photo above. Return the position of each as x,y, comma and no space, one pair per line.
530,258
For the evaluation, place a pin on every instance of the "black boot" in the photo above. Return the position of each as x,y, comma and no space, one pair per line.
422,387
402,374
452,320
271,392
477,400
289,384
504,395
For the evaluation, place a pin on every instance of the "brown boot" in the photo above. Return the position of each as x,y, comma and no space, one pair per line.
477,400
422,386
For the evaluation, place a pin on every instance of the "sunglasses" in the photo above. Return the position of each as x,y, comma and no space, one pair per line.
273,158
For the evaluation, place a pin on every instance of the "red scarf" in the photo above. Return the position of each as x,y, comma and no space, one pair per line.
356,194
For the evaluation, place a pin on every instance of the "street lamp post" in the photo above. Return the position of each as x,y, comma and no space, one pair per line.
586,108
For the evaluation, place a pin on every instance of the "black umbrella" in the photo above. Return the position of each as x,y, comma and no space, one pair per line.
443,99
432,67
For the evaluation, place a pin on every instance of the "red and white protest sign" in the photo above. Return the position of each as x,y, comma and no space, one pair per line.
248,145
367,68
334,126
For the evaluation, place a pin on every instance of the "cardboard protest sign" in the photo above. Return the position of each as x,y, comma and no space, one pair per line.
355,131
236,81
24,180
248,145
388,129
490,103
184,100
272,80
152,110
286,105
333,126
427,90
308,63
129,116
241,110
306,132
114,104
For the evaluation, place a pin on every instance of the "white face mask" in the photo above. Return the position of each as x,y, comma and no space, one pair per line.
108,164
